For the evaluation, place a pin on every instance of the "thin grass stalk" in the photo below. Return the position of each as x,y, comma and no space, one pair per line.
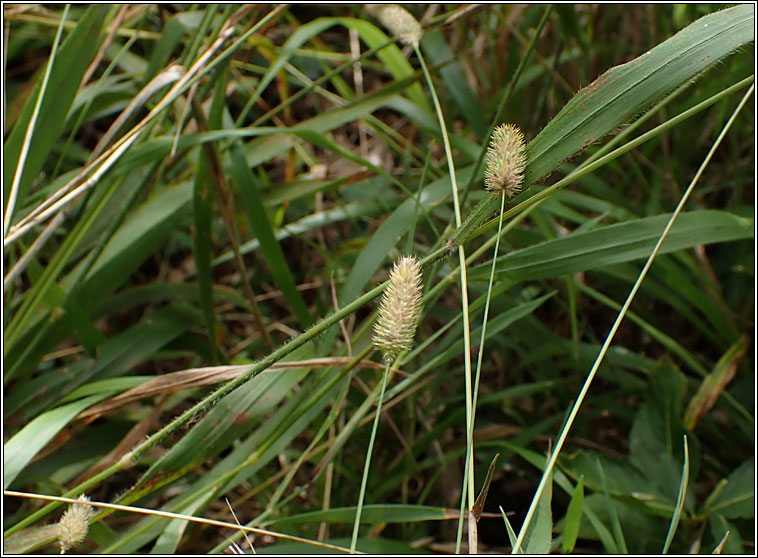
30,128
680,498
367,464
172,515
617,323
470,433
461,258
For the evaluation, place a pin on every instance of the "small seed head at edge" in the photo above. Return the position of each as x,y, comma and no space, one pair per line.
400,22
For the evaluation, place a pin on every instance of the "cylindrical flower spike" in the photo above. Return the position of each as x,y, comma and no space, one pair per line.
74,523
400,22
506,159
400,309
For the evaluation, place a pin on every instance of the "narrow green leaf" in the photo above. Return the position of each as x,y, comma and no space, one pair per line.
680,499
272,251
573,518
169,539
512,536
202,204
374,513
618,243
34,298
715,383
171,35
539,537
72,60
390,55
137,238
377,546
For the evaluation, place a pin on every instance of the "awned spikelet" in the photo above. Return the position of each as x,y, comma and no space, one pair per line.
400,309
74,523
506,160
400,22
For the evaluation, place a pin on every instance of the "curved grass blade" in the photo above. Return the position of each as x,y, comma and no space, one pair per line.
617,243
679,500
625,91
22,447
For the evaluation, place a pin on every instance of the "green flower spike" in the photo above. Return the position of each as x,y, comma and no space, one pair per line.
400,21
74,523
400,309
506,160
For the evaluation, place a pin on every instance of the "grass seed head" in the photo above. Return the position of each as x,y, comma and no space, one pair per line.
400,21
400,309
506,159
74,523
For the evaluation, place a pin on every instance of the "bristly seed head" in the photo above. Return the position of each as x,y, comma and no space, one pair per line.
74,523
506,159
400,309
400,21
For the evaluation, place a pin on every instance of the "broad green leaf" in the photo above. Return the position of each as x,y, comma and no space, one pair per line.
737,499
33,299
109,387
237,413
264,444
137,238
21,448
719,527
117,356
